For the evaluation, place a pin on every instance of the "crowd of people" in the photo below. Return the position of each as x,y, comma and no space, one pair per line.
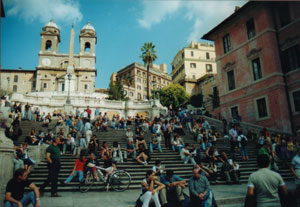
74,133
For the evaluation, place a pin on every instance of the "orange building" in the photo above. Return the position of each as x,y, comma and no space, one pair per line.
258,64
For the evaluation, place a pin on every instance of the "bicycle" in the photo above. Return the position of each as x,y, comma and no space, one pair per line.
119,180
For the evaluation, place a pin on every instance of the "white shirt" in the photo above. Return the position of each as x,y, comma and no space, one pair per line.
182,153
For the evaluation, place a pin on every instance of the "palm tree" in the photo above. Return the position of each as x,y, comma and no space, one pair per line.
128,81
148,56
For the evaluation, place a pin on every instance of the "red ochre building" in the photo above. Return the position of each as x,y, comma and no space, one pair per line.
258,64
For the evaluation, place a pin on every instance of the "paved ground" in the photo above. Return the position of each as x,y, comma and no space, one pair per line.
225,195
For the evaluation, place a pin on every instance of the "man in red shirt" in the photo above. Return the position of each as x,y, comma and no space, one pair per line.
89,112
78,169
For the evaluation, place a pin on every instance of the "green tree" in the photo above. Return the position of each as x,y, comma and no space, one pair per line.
173,94
196,100
116,91
128,81
148,56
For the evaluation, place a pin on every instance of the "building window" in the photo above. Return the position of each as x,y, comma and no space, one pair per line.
16,78
125,92
15,88
194,77
234,112
139,87
208,68
207,56
262,108
284,13
145,97
145,88
85,86
139,96
159,80
250,28
139,73
231,81
45,85
87,47
139,80
131,94
48,45
144,74
256,69
182,55
296,97
291,59
226,43
193,65
192,53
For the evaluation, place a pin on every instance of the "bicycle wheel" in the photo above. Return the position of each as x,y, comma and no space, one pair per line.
87,182
120,180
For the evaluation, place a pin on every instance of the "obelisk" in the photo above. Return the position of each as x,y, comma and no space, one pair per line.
70,68
70,75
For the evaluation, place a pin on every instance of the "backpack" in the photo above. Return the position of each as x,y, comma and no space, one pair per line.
243,141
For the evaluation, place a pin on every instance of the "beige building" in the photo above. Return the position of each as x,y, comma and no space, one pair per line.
19,81
191,63
137,89
52,66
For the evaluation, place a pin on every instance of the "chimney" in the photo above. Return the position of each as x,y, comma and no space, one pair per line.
236,8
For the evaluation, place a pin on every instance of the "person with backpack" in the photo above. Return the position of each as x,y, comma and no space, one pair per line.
242,139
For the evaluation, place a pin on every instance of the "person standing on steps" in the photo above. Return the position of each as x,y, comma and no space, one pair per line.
53,159
264,185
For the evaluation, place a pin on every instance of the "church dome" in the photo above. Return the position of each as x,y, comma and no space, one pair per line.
51,25
88,26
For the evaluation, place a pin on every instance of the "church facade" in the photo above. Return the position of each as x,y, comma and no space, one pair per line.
52,66
52,69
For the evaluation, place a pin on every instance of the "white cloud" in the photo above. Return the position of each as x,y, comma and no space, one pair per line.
207,14
203,14
62,11
156,11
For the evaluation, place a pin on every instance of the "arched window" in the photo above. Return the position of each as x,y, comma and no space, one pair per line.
87,47
48,45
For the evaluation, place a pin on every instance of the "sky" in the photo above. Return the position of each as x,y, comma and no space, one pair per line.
122,27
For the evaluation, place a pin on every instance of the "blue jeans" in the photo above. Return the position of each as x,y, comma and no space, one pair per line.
26,115
154,146
244,151
76,173
186,159
177,148
26,200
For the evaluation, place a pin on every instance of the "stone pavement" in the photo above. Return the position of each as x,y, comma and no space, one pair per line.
226,195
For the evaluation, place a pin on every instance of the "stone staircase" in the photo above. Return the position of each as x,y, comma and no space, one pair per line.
170,159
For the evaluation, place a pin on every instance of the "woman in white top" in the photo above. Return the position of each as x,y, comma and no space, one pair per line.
150,189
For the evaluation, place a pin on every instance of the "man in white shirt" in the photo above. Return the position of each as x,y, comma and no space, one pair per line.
186,156
88,131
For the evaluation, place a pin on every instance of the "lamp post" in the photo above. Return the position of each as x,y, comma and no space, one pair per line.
153,89
8,79
68,99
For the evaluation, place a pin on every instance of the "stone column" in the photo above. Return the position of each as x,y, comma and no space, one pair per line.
6,157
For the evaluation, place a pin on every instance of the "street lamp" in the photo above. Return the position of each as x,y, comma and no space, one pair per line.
8,79
68,99
153,93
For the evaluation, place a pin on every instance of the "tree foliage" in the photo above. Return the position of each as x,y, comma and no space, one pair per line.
196,100
148,56
174,95
116,91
